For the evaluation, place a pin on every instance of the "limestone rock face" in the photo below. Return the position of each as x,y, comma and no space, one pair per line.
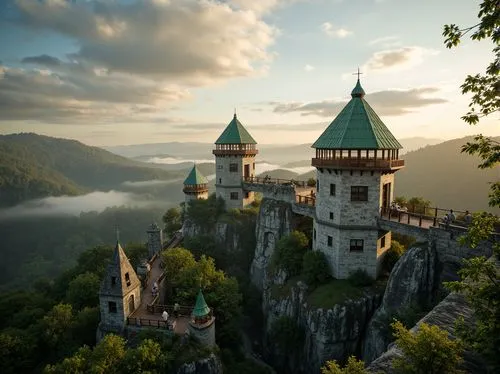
444,316
209,365
273,222
412,282
334,333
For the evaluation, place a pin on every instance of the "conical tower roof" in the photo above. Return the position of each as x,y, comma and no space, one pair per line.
120,277
357,126
201,308
195,177
235,133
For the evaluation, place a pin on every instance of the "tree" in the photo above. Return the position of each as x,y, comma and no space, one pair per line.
175,260
135,253
484,88
353,366
172,220
56,324
428,351
315,268
289,252
392,255
418,205
83,291
401,200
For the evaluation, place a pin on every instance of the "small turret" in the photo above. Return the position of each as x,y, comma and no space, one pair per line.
119,295
195,185
155,239
202,323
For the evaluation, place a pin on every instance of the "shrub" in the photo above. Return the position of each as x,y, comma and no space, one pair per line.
353,366
315,268
429,350
392,255
311,182
360,278
289,252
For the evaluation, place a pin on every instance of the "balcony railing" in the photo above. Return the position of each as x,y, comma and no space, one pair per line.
236,152
358,163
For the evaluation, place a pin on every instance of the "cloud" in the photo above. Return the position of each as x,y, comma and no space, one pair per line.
386,41
150,183
187,41
45,60
333,32
74,205
401,58
385,103
308,68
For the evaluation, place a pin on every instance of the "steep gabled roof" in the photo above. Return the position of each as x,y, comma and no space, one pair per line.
120,277
195,177
235,133
357,126
201,308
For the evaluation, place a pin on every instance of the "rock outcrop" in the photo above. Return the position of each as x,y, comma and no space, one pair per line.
329,334
209,365
444,316
273,222
412,283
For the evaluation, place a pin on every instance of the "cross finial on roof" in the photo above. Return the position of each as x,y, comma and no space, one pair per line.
358,73
235,112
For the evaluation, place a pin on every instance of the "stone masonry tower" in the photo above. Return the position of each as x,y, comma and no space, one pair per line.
235,160
202,323
120,294
155,239
195,185
356,158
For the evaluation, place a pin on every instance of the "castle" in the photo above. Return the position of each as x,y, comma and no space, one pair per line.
356,159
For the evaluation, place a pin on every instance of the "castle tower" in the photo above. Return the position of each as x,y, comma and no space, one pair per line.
235,160
155,239
195,185
202,323
119,295
356,158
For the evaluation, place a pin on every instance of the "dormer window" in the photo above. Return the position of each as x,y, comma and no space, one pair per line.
127,279
113,281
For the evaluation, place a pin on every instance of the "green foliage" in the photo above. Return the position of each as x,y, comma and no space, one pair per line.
405,240
360,278
172,220
83,291
353,366
287,335
392,255
175,262
204,213
135,253
315,268
311,182
56,325
401,200
428,351
484,88
418,205
289,253
17,349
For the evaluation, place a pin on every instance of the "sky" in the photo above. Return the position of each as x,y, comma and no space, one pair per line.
114,72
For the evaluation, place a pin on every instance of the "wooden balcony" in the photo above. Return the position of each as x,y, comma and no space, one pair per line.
358,164
195,189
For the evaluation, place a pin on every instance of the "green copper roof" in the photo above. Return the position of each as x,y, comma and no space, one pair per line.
201,308
195,177
235,133
357,126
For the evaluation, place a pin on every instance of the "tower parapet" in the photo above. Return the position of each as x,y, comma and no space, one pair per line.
234,152
202,323
155,239
356,158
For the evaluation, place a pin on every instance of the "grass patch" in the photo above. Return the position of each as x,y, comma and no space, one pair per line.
337,291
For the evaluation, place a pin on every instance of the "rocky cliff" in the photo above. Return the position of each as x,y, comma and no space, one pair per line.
333,333
273,222
209,365
412,284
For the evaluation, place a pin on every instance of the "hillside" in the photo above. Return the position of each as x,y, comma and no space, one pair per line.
446,177
33,166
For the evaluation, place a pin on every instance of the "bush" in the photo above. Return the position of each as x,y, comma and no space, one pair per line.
392,255
353,366
289,252
311,182
315,268
429,350
360,278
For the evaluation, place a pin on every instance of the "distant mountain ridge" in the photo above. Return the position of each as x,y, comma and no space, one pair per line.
34,166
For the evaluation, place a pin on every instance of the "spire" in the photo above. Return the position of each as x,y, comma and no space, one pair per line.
201,308
358,90
195,177
235,133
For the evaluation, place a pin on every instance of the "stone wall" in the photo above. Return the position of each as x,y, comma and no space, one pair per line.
227,181
209,365
273,222
155,239
282,192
